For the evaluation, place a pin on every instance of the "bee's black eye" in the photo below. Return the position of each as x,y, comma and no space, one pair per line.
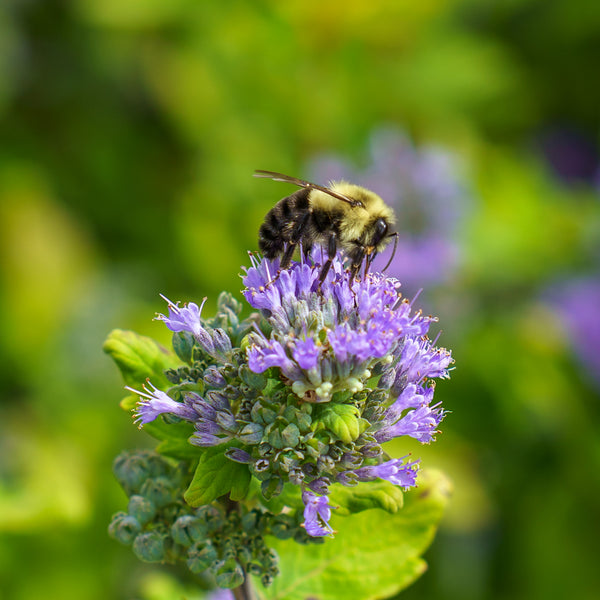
381,228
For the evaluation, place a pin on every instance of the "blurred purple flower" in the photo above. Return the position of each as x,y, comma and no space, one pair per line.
578,304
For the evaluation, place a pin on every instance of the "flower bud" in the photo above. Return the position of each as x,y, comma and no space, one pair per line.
230,576
213,378
221,343
149,547
252,433
283,526
183,344
158,491
141,508
239,456
201,556
124,528
187,530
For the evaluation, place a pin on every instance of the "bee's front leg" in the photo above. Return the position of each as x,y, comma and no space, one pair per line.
331,250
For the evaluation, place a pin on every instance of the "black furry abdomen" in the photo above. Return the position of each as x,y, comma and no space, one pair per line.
276,230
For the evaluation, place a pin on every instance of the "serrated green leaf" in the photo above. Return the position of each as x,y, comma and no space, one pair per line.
139,358
366,495
215,476
374,554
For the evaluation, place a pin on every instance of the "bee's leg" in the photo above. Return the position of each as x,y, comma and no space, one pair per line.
306,249
287,256
369,261
331,250
295,236
357,259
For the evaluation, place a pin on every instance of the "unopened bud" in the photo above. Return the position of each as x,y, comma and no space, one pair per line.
149,547
124,528
141,508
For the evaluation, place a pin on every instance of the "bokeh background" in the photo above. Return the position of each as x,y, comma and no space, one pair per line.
130,129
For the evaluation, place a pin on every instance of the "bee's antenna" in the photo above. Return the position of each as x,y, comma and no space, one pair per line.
393,252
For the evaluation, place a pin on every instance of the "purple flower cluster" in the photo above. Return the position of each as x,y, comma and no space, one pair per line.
329,340
424,188
325,342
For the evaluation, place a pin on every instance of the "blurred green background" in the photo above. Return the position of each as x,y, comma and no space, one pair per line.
130,129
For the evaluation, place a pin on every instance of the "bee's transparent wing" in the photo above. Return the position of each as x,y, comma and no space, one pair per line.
306,184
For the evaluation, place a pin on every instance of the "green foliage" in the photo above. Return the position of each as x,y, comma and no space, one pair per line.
373,554
216,476
369,494
139,358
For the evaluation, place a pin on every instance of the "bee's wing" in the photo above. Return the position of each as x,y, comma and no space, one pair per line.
306,184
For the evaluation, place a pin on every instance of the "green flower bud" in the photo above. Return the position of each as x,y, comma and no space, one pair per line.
252,433
187,530
211,517
230,576
141,508
131,470
283,526
158,491
124,528
201,556
227,304
149,547
290,436
183,344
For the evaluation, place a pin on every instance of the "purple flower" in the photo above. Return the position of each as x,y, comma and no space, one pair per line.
412,396
418,360
420,423
212,417
153,403
317,512
269,353
306,353
187,318
395,471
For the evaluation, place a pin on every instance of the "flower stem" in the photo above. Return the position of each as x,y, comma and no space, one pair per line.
244,591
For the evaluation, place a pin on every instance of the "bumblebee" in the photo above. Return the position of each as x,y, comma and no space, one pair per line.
343,216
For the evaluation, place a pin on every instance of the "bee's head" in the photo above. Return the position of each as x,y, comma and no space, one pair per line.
378,234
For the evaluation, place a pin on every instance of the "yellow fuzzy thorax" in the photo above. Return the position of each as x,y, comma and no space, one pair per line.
356,218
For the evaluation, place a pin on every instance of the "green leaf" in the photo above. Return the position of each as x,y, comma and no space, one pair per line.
174,439
215,476
373,555
139,358
366,495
